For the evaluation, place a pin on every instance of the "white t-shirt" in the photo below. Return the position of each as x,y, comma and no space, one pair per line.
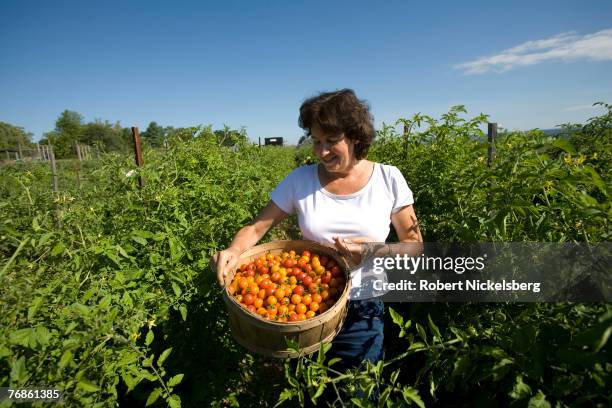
365,213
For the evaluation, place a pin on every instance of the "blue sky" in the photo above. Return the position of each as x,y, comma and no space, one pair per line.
526,64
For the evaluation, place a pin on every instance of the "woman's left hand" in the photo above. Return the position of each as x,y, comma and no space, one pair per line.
351,248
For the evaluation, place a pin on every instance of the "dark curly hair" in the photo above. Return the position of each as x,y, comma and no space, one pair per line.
340,112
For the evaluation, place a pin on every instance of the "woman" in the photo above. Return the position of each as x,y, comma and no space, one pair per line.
345,200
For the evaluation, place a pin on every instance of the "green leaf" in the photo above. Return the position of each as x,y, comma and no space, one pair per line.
318,393
183,310
59,248
412,395
174,401
421,332
520,389
501,368
596,337
21,337
105,302
18,371
87,386
4,351
358,403
122,251
394,376
65,359
141,241
538,401
397,318
176,289
434,328
163,356
333,361
564,145
285,395
82,310
153,396
176,380
292,345
149,338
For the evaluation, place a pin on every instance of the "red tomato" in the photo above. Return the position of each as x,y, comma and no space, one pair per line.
270,289
307,280
326,277
298,290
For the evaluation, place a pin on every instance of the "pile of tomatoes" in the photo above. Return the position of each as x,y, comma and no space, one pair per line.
288,287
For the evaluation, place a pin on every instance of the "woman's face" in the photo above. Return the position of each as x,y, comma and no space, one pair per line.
336,152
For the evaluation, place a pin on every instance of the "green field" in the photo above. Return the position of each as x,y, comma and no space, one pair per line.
106,293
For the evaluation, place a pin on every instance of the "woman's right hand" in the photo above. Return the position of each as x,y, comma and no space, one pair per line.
223,262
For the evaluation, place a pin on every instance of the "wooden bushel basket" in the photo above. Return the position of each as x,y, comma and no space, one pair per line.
267,337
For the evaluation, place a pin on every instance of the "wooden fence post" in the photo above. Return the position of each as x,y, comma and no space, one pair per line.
492,135
53,169
78,165
138,153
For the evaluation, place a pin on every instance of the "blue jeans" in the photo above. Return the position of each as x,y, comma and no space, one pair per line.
361,336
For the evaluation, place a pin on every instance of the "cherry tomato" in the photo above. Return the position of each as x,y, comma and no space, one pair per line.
326,277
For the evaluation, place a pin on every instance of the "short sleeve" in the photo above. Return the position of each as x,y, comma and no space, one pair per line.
401,192
284,193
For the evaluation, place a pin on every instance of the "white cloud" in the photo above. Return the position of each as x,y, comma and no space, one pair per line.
561,47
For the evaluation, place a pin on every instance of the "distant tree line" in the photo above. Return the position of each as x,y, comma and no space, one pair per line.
70,128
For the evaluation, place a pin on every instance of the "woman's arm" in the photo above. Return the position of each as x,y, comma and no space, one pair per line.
247,237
